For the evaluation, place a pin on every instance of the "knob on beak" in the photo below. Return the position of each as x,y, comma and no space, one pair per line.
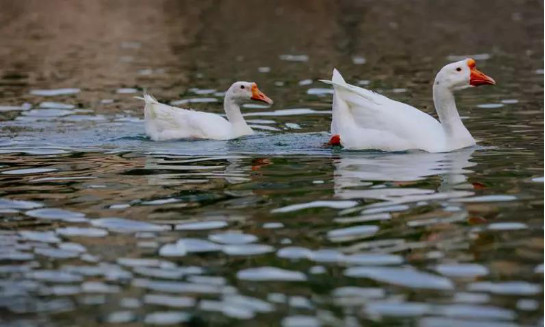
260,96
477,77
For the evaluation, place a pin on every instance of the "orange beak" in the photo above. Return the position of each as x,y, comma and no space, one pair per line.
260,96
477,77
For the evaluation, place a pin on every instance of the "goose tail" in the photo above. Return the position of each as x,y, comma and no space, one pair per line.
149,108
148,98
339,84
337,77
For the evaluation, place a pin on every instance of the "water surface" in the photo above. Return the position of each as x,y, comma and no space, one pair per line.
101,225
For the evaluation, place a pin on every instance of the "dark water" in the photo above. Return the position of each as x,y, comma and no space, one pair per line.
100,225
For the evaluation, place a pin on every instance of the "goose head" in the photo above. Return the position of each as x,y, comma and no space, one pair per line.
242,92
462,74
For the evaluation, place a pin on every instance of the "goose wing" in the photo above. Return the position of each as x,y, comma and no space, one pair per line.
374,111
168,122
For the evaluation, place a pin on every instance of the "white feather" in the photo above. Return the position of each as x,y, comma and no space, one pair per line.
164,122
367,120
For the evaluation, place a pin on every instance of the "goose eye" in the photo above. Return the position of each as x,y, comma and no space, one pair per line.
242,86
459,69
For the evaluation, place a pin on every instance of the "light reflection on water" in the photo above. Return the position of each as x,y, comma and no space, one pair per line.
99,224
399,222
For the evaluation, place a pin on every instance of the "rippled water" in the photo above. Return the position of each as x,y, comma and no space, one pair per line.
101,225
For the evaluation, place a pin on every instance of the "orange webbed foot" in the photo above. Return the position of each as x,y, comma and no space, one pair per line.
335,140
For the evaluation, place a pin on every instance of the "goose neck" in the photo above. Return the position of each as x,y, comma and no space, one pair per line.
445,105
232,110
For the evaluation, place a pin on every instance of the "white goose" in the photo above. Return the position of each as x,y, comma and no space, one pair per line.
165,122
363,119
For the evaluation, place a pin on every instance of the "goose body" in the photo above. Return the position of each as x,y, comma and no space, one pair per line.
363,119
164,122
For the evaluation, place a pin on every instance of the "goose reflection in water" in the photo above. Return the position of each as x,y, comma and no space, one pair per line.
355,173
202,173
